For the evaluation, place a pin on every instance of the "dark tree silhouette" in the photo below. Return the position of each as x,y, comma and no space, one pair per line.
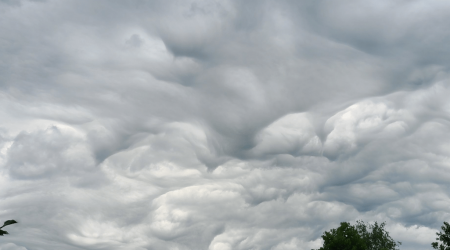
444,237
8,222
345,237
361,236
376,237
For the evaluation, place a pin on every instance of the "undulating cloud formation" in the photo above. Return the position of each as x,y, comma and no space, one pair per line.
222,125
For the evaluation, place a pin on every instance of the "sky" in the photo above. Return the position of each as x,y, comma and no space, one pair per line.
222,125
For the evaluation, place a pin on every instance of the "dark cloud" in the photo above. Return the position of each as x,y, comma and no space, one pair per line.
221,124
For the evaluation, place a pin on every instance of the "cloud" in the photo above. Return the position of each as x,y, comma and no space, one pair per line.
47,153
11,246
221,124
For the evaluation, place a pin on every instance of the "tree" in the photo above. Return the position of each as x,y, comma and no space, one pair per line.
361,236
376,237
8,222
444,237
345,237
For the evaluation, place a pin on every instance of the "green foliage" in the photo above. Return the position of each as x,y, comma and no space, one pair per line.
361,236
345,237
8,222
444,237
376,237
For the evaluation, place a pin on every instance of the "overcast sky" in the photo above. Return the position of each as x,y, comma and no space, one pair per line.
222,125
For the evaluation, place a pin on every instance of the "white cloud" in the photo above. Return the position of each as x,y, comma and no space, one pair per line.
11,246
221,124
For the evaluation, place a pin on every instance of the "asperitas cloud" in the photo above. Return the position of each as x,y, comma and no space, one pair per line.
222,125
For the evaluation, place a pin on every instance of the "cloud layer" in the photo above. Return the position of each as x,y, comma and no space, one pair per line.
221,125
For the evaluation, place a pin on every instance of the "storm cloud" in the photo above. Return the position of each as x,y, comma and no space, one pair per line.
222,125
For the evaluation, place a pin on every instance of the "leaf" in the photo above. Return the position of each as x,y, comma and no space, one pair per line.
2,232
8,222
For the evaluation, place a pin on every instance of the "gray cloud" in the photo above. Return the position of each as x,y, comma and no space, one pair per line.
221,124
